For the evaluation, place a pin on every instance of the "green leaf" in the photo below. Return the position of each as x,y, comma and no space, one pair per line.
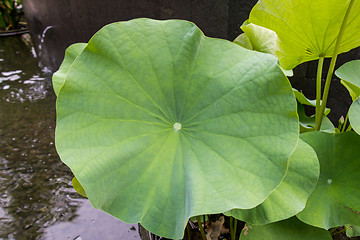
259,39
9,4
307,29
290,197
3,24
335,200
349,73
78,188
353,90
288,73
354,115
291,229
352,231
244,41
160,123
305,101
307,124
59,76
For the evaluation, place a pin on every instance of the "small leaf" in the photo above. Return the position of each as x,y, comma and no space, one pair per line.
352,230
290,197
290,229
259,39
59,76
307,124
307,29
262,39
353,90
78,188
244,41
354,115
305,101
288,73
335,200
349,73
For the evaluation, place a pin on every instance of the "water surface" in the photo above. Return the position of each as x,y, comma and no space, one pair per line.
37,200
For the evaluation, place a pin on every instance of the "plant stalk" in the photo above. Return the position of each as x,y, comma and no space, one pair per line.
338,232
235,228
231,227
188,231
332,67
198,219
318,86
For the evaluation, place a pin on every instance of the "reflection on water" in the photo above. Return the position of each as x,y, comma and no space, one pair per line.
36,197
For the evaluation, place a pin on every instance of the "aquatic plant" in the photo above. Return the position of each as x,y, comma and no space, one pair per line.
9,14
160,123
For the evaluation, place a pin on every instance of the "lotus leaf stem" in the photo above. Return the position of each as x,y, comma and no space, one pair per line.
198,219
332,67
318,86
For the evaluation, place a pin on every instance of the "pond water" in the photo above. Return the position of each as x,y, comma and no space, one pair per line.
37,200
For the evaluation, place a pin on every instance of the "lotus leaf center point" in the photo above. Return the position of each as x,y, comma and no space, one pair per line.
177,126
329,181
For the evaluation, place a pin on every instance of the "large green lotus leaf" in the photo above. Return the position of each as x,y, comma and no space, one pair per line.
354,115
160,123
71,53
290,197
290,229
307,29
335,200
349,73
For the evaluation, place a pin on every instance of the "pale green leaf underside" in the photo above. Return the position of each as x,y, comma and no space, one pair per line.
353,90
116,116
354,115
349,73
352,230
289,198
290,229
307,29
71,53
335,200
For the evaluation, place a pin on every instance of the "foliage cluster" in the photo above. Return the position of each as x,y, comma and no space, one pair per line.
160,123
9,14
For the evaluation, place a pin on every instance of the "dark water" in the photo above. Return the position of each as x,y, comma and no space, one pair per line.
37,200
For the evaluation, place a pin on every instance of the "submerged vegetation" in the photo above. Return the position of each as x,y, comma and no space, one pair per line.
161,124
